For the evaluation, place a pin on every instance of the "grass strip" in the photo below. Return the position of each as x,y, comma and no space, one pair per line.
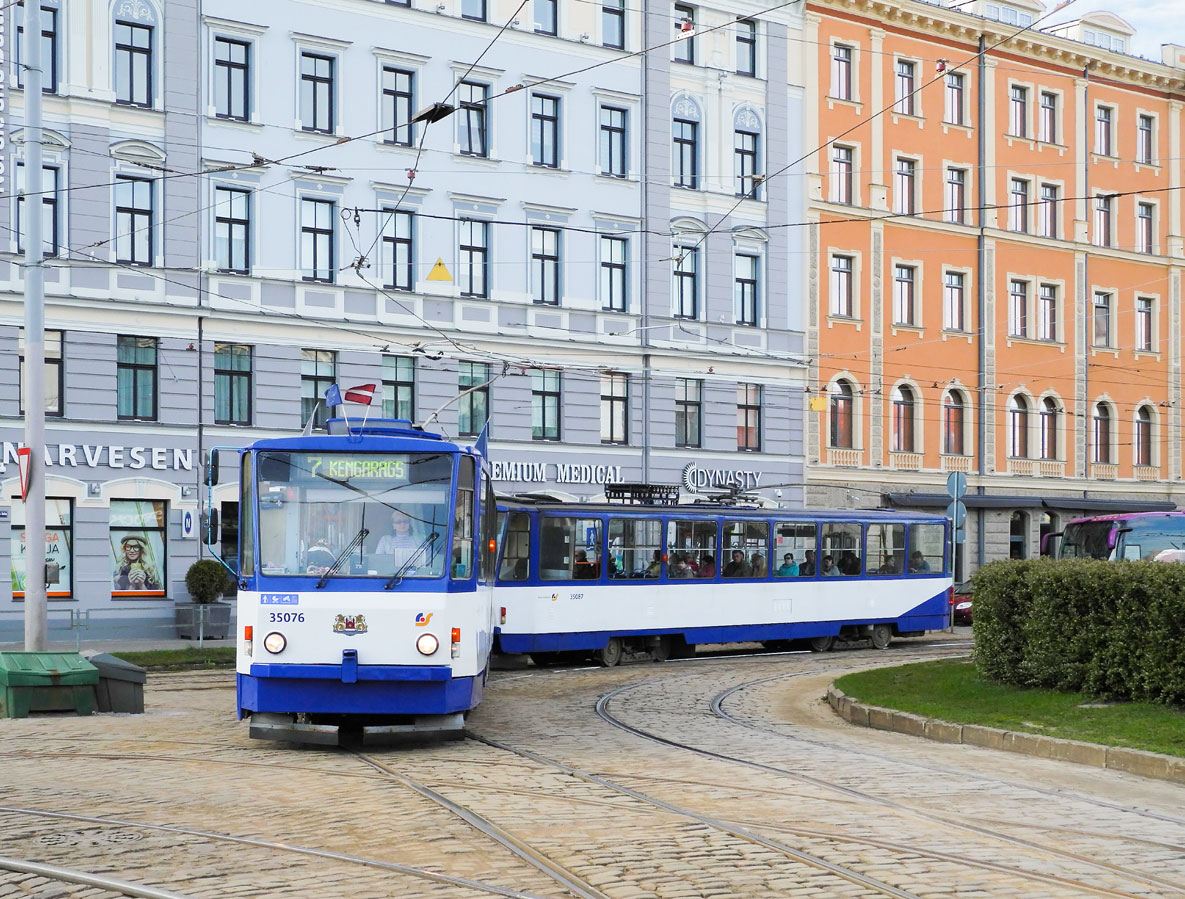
189,658
953,691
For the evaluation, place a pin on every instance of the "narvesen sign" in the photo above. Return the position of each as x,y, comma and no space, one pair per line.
539,473
69,455
696,478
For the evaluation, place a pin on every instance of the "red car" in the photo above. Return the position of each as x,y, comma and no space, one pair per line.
960,602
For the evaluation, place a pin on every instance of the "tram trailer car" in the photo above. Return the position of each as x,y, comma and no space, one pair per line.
366,570
618,581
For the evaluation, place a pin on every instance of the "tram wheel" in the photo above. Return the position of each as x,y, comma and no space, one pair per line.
882,636
610,656
822,644
661,651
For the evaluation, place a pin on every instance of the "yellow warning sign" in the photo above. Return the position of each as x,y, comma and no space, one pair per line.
439,272
818,403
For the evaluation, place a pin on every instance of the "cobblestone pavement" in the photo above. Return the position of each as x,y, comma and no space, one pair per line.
781,798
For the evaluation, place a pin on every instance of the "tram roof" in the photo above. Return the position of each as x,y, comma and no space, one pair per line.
390,443
712,510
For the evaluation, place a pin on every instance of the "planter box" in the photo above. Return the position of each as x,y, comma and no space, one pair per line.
209,621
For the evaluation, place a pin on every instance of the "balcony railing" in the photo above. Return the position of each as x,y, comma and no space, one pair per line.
1052,468
1022,467
906,461
956,463
1147,472
1104,471
844,458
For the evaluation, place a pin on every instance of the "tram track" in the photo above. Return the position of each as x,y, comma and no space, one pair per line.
112,885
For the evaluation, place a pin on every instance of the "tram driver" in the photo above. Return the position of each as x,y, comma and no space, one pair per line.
401,543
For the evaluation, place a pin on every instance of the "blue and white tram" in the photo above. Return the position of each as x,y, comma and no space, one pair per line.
615,581
365,602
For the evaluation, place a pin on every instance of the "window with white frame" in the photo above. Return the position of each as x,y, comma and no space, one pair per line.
473,258
746,47
317,92
904,406
1047,211
684,153
842,416
1144,144
545,404
954,113
398,249
688,407
399,387
841,174
1047,312
1047,124
1143,436
545,130
1018,427
686,275
399,100
134,220
318,219
473,119
49,209
745,164
904,286
954,421
1101,434
841,72
1145,239
546,16
134,54
1018,111
843,300
954,304
904,84
1018,308
232,230
1102,318
749,417
614,273
615,408
232,79
956,195
746,267
49,48
545,266
1104,138
614,155
685,25
1049,427
1102,220
1018,208
613,24
905,187
1145,321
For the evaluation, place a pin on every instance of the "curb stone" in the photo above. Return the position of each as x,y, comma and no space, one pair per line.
1133,761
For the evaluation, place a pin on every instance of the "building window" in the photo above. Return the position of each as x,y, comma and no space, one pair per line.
474,262
746,269
1103,138
1018,421
613,24
232,230
473,409
903,420
684,135
953,420
1047,211
688,404
545,266
546,17
903,295
749,417
955,98
134,220
49,209
133,64
905,193
687,282
685,24
843,412
1047,313
841,72
1018,111
1018,536
399,387
232,384
956,196
473,121
841,175
1049,413
1143,436
746,47
614,283
59,547
1102,434
49,49
1102,318
614,408
54,374
318,372
545,130
905,88
1144,231
316,93
953,306
745,164
399,98
1018,209
138,554
545,405
1144,139
232,79
614,155
135,371
317,218
473,9
1018,308
398,250
843,300
1102,221
1047,131
1144,324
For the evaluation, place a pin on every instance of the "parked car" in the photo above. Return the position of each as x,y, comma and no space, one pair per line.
960,601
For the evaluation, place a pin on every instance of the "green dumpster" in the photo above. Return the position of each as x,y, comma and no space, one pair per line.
46,682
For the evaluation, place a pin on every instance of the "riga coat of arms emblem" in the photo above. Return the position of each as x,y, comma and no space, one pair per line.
350,625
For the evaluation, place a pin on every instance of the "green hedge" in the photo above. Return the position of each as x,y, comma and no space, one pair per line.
1104,628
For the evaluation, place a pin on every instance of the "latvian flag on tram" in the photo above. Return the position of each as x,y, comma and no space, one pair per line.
363,395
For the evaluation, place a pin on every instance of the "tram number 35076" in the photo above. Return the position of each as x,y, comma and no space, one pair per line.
297,617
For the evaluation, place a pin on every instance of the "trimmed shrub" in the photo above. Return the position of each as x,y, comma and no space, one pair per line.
206,580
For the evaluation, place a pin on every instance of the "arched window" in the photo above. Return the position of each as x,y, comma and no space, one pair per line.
953,418
1018,536
903,419
1049,411
1102,433
1018,420
842,415
1143,436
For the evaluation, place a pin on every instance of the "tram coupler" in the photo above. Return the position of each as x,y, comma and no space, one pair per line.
273,726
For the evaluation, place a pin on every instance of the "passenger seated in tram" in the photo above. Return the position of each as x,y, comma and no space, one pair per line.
829,569
707,566
917,562
788,568
757,567
654,569
849,564
582,568
889,565
807,568
679,568
738,567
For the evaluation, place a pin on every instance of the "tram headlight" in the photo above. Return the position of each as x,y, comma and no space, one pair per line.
427,644
275,642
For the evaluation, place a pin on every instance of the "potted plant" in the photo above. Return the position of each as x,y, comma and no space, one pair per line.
205,616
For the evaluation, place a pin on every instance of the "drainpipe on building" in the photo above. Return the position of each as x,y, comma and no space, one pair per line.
201,410
981,287
644,292
1087,337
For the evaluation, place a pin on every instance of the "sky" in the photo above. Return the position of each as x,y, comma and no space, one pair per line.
1155,21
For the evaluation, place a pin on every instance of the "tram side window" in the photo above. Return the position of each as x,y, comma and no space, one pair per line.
488,551
516,552
841,549
794,549
691,549
569,548
886,549
247,514
746,544
927,548
635,548
462,562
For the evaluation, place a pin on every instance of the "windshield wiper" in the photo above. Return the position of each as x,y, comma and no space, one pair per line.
341,557
398,575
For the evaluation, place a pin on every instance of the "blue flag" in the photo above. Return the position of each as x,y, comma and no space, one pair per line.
483,441
333,396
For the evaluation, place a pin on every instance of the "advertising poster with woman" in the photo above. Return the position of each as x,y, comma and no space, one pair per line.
138,548
59,553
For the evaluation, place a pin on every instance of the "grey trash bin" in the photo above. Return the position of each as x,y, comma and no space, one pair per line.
121,684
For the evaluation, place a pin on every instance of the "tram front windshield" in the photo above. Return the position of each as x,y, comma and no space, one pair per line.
380,513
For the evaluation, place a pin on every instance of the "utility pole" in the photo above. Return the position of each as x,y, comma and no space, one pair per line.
36,610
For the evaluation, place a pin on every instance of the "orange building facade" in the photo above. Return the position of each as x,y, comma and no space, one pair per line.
995,250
